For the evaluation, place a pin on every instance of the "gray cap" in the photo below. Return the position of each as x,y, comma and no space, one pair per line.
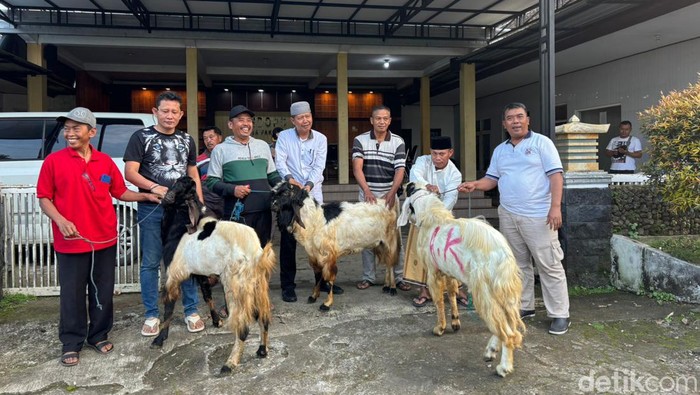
300,107
80,114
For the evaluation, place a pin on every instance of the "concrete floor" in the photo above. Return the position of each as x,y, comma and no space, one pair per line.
369,343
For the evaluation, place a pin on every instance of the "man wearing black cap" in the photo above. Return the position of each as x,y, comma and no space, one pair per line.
242,171
75,190
442,177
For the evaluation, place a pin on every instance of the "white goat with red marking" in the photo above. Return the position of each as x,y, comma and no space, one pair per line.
473,252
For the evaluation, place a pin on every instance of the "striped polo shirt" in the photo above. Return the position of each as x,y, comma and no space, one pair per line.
381,160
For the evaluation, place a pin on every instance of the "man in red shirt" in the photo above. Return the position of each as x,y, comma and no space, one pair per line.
75,190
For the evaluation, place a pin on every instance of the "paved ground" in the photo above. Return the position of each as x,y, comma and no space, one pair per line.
369,343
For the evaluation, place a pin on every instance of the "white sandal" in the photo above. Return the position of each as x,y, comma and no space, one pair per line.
191,321
151,327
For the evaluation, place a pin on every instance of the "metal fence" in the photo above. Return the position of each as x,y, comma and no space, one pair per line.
30,260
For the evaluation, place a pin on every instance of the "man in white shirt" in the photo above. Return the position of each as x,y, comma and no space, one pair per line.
623,150
300,157
441,177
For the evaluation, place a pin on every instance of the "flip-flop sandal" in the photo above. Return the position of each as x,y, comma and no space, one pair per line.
364,284
421,301
404,286
69,355
465,302
151,327
99,347
191,321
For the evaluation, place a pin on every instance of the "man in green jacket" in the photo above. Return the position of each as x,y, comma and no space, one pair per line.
242,171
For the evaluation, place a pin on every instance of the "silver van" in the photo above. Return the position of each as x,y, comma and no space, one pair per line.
25,140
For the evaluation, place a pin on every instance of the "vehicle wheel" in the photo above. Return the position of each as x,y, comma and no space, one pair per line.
128,243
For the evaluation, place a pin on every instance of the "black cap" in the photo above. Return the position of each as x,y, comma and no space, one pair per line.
440,142
238,110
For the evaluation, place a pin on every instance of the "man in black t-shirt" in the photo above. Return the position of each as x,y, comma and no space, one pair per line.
155,158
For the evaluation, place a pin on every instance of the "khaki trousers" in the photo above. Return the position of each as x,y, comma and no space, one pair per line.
532,238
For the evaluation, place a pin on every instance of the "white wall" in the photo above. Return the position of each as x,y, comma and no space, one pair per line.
634,83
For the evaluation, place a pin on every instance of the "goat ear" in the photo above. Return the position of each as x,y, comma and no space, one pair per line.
405,212
195,212
410,188
297,217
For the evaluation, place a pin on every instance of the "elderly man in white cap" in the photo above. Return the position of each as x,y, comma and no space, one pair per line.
300,158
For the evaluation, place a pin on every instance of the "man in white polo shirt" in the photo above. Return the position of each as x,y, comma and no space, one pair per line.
528,172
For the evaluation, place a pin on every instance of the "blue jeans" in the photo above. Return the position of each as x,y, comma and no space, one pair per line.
151,255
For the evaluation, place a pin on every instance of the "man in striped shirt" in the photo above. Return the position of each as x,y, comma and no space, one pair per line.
379,163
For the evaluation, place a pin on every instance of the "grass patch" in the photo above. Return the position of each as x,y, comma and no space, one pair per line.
583,291
686,248
11,302
659,296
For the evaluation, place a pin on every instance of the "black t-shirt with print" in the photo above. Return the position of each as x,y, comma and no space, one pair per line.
164,158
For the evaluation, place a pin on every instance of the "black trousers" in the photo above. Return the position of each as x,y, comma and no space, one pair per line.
74,278
261,222
288,260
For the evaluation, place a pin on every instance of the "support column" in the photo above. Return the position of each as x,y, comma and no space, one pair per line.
343,119
547,74
424,114
36,84
192,98
467,120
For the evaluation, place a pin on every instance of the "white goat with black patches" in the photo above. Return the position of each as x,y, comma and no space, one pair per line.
476,254
231,251
332,230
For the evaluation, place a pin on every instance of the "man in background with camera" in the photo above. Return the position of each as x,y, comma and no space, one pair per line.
623,150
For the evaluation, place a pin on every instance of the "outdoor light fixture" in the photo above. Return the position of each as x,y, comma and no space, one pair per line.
386,63
261,90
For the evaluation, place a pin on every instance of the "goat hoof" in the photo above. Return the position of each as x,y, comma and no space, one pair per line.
437,331
157,343
503,370
323,307
225,370
393,292
262,352
311,300
386,289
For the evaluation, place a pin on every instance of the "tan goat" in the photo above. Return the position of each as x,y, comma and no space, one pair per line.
332,230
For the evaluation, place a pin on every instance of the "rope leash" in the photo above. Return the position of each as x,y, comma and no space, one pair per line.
469,199
92,247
